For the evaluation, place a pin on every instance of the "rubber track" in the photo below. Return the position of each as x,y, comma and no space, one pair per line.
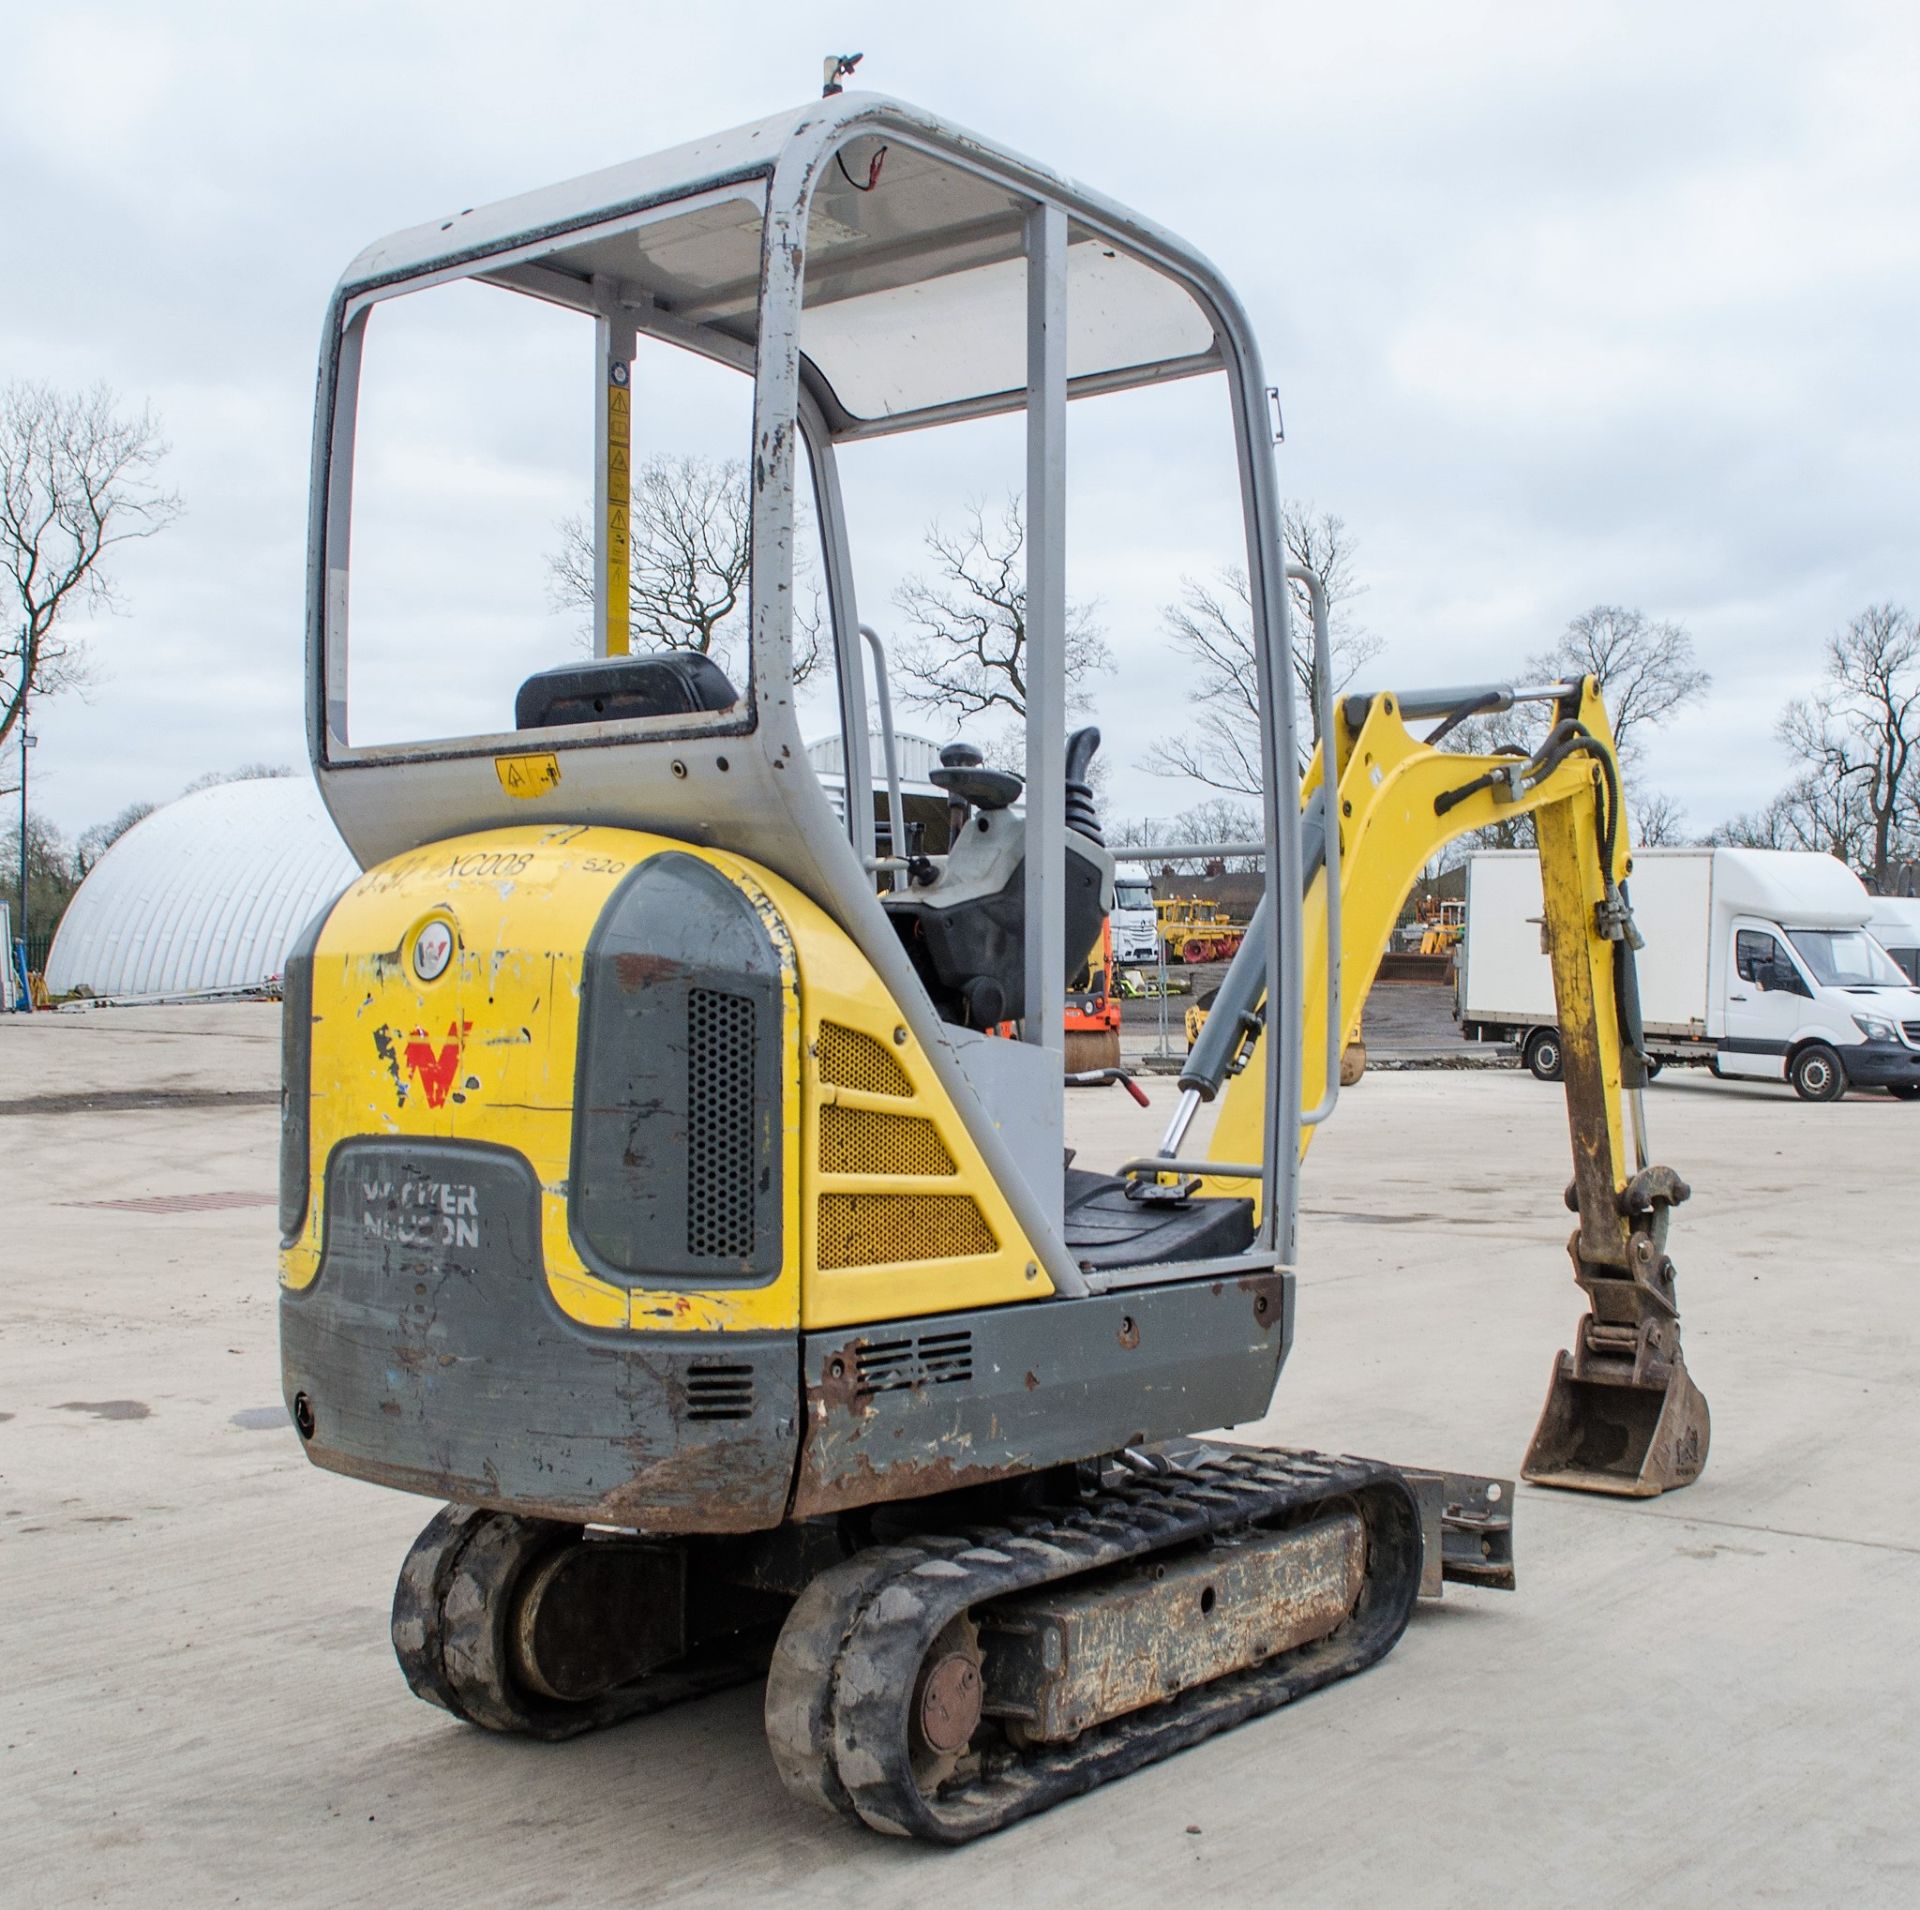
887,1620
448,1630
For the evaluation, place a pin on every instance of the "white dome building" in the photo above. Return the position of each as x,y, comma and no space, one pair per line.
207,893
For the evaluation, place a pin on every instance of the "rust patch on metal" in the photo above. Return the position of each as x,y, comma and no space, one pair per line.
857,1481
1129,1334
634,971
689,1492
676,1493
1067,1657
1269,1298
839,1389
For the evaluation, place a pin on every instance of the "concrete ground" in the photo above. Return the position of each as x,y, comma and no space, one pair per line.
1707,1698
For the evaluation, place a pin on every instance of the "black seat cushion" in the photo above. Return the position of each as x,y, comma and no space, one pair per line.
1107,1232
614,689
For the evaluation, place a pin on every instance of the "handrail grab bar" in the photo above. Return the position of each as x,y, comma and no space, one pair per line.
1330,810
896,810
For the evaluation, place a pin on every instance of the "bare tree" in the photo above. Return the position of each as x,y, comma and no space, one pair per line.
1763,828
246,773
76,480
1645,666
1646,673
1658,821
51,877
1211,628
964,648
1812,813
95,842
1861,729
690,550
1320,542
1218,820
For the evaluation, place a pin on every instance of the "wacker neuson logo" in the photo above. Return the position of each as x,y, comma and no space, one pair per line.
419,1212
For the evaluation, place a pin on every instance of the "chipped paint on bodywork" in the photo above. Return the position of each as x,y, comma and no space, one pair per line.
432,1359
916,1407
516,977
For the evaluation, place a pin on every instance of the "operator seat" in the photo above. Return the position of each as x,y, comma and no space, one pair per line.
965,929
615,689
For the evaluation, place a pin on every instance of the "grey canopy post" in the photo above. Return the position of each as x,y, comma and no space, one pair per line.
1046,650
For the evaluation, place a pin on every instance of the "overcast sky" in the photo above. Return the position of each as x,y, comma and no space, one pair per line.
1566,304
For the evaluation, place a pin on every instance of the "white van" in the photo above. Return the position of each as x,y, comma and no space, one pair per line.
1895,925
1758,963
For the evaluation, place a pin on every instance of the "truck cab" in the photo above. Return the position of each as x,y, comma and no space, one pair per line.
1795,993
1806,994
1136,934
1895,925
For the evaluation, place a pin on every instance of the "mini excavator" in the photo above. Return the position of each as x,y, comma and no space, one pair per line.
722,1269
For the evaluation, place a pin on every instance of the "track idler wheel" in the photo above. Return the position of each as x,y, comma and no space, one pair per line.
482,1629
419,1604
532,1627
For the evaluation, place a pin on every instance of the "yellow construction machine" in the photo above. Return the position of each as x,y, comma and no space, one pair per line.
1442,925
1194,929
654,1189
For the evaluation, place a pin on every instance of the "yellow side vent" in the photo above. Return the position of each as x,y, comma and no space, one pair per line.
849,1059
859,1141
884,1230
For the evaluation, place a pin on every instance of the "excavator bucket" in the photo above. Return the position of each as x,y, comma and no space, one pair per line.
1635,1428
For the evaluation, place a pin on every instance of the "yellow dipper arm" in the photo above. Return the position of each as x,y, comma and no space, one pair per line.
1622,1416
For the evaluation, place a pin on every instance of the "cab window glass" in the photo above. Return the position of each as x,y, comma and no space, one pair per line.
1754,954
1845,958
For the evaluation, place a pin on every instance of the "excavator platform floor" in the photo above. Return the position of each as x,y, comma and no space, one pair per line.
1108,1231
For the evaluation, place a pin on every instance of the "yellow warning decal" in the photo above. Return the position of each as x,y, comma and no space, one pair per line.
527,776
619,503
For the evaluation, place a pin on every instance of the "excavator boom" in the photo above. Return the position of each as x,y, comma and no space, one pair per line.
1622,1414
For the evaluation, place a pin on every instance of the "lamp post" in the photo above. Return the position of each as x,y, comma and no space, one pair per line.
27,742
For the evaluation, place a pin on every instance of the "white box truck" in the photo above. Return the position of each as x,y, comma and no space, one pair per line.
1895,925
1758,963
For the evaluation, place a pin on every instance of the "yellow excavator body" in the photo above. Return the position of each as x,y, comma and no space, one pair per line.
658,1188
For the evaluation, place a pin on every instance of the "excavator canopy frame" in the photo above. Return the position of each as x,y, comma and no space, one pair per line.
874,270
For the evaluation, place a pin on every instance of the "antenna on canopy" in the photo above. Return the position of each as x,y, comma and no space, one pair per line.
835,68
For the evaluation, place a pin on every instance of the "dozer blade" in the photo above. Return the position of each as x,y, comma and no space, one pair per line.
1636,1432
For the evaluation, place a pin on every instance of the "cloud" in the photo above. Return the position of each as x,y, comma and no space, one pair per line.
1565,305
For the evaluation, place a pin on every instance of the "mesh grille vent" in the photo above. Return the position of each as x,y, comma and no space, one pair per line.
849,1059
859,1141
1913,1031
884,1230
934,1359
720,1155
718,1391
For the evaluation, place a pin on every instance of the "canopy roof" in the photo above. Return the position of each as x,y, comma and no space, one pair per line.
912,236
